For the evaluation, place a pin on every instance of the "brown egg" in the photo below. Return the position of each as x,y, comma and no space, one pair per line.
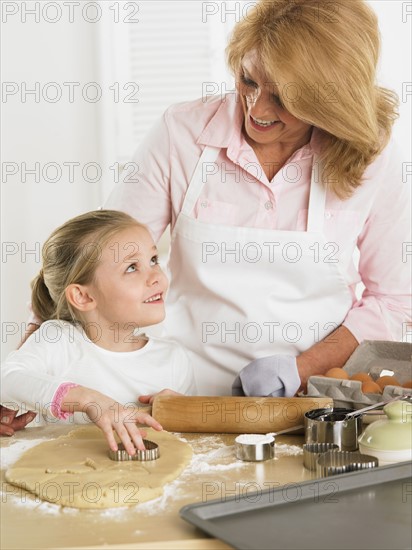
362,377
337,373
387,381
370,387
408,384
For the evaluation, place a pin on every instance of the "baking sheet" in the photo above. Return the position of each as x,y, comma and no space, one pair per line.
362,510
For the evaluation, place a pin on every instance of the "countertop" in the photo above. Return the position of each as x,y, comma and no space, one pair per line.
215,473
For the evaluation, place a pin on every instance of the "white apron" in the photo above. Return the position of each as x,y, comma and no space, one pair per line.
239,293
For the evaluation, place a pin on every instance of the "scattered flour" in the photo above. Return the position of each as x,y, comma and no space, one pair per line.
9,455
32,502
281,449
117,514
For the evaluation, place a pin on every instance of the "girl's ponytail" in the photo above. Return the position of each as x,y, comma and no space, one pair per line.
41,301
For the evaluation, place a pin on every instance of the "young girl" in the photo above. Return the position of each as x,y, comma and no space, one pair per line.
100,281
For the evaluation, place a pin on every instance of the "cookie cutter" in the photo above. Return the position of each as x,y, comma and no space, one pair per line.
150,453
312,451
341,462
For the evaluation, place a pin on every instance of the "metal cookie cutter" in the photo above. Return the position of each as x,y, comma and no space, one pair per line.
150,453
312,451
341,462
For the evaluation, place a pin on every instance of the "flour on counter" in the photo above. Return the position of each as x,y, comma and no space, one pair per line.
211,455
216,457
282,449
29,501
11,453
210,461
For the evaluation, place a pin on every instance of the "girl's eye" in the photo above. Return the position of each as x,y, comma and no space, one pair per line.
154,260
247,81
132,268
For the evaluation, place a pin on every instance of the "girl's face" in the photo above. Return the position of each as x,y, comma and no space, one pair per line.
129,284
266,120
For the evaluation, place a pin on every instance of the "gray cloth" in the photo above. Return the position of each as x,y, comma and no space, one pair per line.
274,376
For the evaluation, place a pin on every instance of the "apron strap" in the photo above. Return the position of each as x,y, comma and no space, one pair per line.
198,180
317,200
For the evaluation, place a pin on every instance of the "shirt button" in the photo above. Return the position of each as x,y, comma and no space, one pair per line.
328,215
268,205
203,204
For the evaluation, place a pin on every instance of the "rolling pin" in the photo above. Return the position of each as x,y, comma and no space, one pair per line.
237,415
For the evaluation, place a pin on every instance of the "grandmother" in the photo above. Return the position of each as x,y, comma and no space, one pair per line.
269,191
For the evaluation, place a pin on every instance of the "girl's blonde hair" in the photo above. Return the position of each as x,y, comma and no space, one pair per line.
322,55
71,255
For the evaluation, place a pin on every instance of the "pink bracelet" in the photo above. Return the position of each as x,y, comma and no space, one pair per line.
58,398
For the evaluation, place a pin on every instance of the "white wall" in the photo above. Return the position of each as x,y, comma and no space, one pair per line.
395,68
64,132
38,131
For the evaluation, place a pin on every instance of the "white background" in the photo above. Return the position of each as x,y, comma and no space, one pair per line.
86,132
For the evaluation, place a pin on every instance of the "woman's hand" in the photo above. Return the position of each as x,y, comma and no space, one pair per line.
273,376
10,422
148,399
110,415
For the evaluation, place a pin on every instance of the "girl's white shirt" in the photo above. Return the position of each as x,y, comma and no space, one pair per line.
59,352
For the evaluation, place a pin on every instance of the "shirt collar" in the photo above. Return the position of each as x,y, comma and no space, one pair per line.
225,124
224,130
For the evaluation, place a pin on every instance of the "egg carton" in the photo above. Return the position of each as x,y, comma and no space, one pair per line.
374,357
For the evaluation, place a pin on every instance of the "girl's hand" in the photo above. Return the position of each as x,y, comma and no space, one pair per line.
148,399
110,415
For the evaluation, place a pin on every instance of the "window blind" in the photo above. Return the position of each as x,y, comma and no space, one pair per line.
158,53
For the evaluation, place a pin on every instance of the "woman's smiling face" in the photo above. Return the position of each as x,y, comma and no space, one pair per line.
266,120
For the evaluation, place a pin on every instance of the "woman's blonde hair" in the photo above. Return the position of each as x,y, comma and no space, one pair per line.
322,55
71,255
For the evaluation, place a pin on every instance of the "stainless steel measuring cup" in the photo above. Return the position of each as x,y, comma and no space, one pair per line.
332,426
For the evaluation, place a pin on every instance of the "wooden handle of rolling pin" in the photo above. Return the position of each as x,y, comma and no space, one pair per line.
233,414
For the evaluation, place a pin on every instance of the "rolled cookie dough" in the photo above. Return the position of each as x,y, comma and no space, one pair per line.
75,470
